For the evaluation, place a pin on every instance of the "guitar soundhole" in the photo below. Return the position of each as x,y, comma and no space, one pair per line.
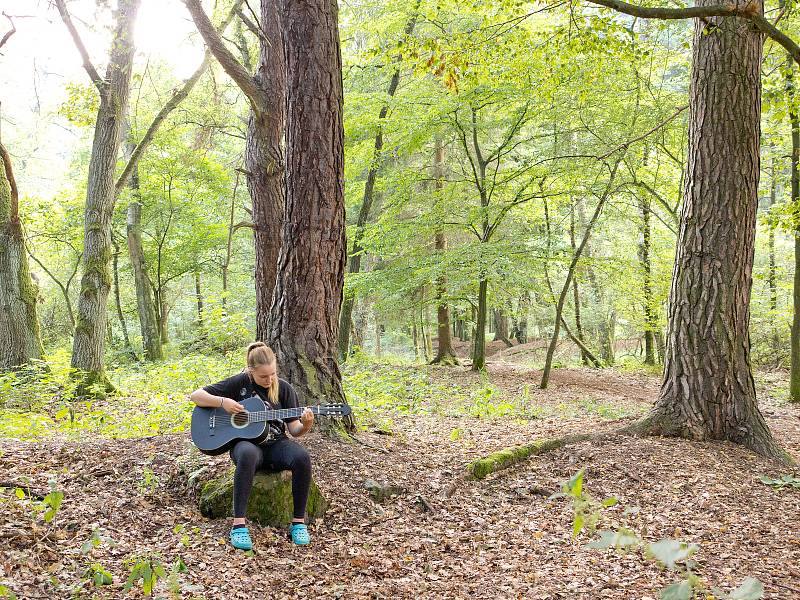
239,419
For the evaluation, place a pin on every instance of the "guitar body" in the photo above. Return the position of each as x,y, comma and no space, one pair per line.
215,431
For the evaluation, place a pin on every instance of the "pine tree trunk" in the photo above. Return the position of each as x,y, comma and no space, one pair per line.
708,390
304,327
265,162
20,338
88,347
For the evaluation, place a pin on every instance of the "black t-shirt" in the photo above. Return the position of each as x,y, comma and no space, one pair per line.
241,386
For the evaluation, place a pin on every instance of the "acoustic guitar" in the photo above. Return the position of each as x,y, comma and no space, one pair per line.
214,430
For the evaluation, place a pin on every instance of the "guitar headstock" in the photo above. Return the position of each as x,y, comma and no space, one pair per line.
334,410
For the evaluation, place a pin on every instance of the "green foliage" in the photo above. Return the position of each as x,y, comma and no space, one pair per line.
81,105
148,483
98,575
152,401
149,570
6,592
93,542
785,481
673,555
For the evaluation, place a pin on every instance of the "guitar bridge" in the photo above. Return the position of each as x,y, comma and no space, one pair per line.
212,422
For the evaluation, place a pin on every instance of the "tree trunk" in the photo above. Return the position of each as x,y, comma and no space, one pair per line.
148,324
650,322
708,390
88,347
772,282
198,293
163,318
794,119
479,347
20,337
304,327
354,264
265,163
551,348
118,300
445,355
501,327
606,330
576,299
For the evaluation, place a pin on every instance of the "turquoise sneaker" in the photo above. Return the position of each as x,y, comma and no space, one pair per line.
240,538
299,534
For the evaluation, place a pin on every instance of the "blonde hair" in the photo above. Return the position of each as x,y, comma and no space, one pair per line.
259,354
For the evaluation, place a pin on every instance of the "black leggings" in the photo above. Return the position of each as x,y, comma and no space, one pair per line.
282,455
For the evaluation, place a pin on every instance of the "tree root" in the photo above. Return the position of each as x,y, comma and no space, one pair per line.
508,457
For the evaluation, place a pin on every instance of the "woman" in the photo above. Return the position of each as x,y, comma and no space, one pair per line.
260,378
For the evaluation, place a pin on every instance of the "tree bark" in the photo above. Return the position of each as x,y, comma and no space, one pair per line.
265,162
304,327
20,337
89,342
708,390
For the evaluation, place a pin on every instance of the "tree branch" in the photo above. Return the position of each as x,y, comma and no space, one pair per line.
87,63
747,10
177,97
9,33
225,58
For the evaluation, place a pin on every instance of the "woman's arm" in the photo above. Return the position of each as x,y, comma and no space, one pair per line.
203,398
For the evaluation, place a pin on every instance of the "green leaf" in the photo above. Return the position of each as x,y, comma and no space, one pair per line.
612,501
669,552
19,493
180,566
677,591
751,589
577,525
612,539
574,487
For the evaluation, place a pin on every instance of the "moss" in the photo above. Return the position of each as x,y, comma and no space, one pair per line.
502,459
93,384
270,501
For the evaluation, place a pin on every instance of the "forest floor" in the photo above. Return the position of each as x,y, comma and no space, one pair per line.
497,538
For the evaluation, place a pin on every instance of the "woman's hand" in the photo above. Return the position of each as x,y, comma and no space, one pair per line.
307,419
232,406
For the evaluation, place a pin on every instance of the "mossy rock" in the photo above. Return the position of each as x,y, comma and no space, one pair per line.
270,500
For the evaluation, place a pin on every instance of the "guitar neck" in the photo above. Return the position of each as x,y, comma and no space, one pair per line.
281,413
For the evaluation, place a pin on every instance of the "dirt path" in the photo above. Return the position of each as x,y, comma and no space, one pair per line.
499,538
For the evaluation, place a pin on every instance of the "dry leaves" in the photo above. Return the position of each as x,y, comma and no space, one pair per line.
500,537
